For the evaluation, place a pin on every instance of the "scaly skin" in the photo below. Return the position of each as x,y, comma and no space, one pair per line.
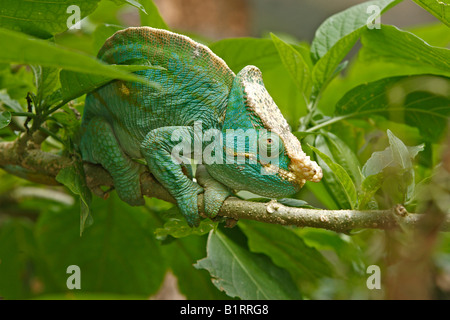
124,120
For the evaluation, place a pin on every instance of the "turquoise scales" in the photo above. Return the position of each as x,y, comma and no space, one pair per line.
124,120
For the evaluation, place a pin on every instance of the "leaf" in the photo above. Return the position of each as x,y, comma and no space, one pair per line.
42,19
336,36
151,17
346,247
329,191
395,163
46,81
344,23
241,273
5,119
181,254
296,203
439,8
435,33
177,227
262,53
75,84
134,3
326,196
404,100
17,250
6,100
402,47
73,177
340,151
26,50
400,153
369,187
102,33
287,250
289,202
396,155
295,64
118,254
241,52
327,67
344,179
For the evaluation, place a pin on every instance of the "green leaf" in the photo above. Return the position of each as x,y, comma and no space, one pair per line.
150,16
296,203
46,81
17,250
419,101
303,263
181,254
77,295
435,34
75,84
327,67
336,36
396,155
344,23
241,52
134,3
73,177
102,33
241,273
295,64
395,162
329,191
340,151
439,8
118,254
394,45
6,100
369,187
5,119
289,202
26,50
326,196
177,227
344,246
343,177
43,19
68,120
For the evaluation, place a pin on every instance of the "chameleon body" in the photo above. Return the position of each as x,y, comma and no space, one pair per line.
127,120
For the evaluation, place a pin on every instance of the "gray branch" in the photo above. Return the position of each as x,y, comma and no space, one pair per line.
42,167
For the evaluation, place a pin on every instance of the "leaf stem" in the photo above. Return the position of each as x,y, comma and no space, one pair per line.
327,123
51,134
23,114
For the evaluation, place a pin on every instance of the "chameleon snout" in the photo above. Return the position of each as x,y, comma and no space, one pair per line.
305,169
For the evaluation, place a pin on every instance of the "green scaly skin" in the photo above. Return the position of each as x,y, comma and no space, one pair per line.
124,120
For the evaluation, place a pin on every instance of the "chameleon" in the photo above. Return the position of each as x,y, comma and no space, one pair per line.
123,121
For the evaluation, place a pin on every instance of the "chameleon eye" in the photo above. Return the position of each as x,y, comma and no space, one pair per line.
270,145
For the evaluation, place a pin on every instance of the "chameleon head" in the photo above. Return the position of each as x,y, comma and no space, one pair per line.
259,102
292,167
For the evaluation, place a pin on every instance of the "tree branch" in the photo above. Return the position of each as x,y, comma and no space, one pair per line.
42,167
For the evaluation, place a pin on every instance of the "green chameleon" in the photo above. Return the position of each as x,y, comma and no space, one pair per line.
199,94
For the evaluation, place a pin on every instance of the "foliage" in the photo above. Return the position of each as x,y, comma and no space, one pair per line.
375,123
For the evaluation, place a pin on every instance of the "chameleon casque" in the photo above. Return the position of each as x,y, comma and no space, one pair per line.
123,121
